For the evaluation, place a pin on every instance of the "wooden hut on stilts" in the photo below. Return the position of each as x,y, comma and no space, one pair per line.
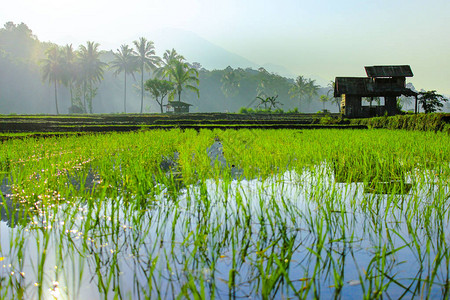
382,82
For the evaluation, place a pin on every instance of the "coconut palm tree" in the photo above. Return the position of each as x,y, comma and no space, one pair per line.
182,76
91,70
124,61
168,58
52,69
312,88
335,100
299,89
303,89
269,102
69,57
324,99
146,59
172,55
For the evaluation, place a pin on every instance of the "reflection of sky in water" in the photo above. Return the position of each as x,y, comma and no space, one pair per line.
169,240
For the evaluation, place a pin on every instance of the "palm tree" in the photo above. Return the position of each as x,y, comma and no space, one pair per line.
91,69
332,86
335,100
303,89
69,68
299,89
168,58
124,61
172,55
324,99
52,69
146,60
182,76
312,89
269,102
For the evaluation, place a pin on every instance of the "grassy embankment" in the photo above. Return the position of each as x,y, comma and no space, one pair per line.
20,126
45,126
423,122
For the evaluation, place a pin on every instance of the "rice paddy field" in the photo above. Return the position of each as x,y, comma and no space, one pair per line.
226,214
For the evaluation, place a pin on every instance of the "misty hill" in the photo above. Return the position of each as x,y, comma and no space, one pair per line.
280,70
197,49
209,55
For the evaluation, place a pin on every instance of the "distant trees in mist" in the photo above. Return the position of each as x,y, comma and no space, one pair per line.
42,77
124,62
76,77
80,71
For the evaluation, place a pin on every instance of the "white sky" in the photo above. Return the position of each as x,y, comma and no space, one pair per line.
327,38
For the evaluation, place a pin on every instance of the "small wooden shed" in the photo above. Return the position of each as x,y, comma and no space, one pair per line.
388,82
177,107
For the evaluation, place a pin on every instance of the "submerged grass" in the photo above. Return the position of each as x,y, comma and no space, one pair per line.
307,214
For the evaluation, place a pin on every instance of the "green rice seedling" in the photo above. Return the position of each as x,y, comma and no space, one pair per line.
298,211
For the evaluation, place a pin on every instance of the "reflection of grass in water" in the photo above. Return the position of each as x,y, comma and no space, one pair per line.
106,212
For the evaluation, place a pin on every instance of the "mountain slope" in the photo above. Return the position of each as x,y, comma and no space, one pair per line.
197,49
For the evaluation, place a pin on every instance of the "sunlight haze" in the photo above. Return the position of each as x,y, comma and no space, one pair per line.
321,39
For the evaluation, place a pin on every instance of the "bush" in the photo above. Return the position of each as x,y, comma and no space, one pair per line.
424,122
327,120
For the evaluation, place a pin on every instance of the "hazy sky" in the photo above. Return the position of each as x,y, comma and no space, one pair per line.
327,38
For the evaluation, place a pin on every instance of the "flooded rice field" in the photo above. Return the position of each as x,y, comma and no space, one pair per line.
227,214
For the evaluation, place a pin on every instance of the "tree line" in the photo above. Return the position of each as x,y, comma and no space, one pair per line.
24,61
82,70
260,89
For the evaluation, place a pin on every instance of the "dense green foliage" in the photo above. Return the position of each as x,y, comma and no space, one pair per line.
159,89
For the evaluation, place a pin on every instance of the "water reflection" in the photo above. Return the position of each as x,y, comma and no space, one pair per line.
376,177
12,212
293,235
82,180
